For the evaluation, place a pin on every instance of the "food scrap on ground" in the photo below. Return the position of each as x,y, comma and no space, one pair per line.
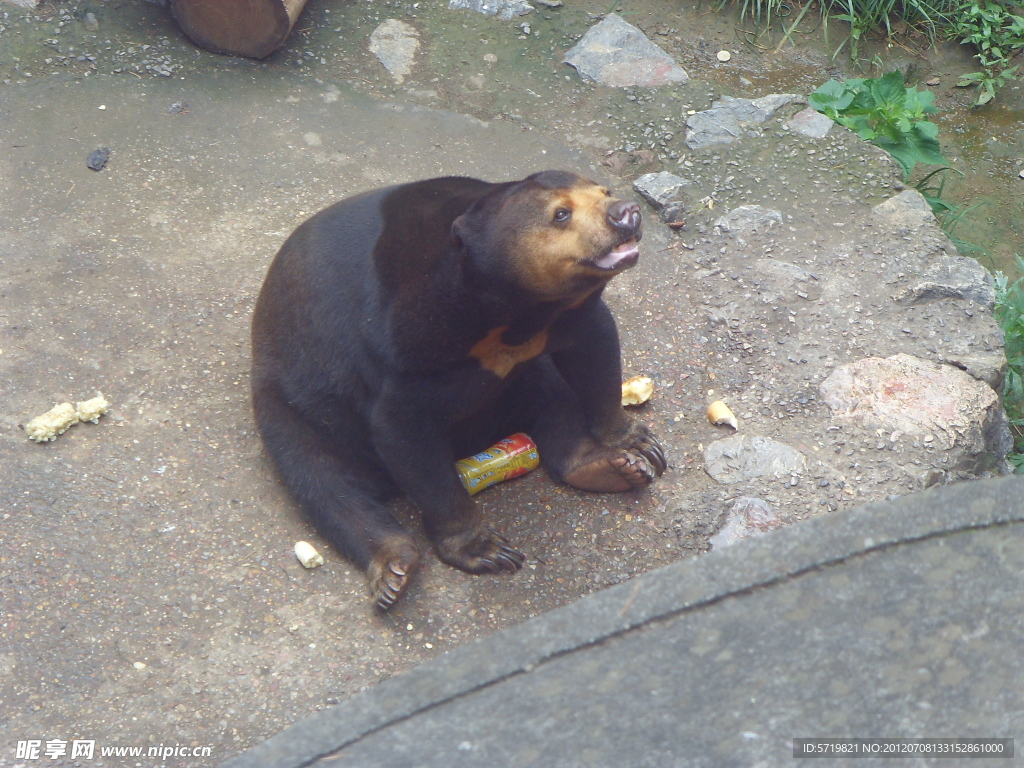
58,419
637,390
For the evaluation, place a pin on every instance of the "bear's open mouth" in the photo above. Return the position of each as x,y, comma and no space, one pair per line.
622,256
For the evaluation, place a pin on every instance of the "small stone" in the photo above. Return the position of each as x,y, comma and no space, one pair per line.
811,123
723,56
951,277
748,517
503,9
98,158
139,665
742,458
932,81
665,192
749,218
490,58
908,209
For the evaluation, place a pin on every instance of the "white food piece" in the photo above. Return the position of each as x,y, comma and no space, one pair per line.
307,555
91,410
719,413
637,390
52,423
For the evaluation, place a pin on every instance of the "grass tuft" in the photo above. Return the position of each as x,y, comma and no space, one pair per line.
1009,312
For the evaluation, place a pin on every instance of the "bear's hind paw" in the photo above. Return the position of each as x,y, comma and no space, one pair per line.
612,471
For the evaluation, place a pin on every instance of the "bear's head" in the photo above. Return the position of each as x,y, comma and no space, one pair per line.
555,234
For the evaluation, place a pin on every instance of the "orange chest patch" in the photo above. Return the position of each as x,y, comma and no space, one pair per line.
500,358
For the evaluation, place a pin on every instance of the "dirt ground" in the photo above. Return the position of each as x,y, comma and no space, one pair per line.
149,591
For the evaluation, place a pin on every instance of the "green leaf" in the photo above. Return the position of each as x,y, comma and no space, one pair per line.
831,95
972,79
889,90
927,129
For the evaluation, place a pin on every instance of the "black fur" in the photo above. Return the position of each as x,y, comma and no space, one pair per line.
364,385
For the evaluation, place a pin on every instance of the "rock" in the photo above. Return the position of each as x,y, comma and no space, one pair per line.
639,158
741,458
664,191
931,401
954,277
395,44
749,218
811,123
783,280
908,209
748,517
22,3
503,9
989,367
729,118
614,52
98,158
783,271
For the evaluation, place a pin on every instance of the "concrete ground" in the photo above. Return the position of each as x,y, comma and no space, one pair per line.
148,588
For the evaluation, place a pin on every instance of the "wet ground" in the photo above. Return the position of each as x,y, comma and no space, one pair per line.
149,590
489,68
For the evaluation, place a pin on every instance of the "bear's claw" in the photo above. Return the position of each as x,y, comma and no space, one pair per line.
482,551
651,450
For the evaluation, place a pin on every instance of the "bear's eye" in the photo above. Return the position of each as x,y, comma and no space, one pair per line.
562,214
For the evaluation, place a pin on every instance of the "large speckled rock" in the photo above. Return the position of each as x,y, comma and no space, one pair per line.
614,52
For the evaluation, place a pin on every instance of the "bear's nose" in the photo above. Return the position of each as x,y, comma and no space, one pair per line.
624,215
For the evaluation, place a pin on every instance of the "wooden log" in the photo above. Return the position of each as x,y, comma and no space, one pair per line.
252,28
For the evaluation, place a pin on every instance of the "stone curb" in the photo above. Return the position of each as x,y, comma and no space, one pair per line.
684,586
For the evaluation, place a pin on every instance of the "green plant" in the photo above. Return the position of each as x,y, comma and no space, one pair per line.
1009,313
949,215
998,35
864,16
885,112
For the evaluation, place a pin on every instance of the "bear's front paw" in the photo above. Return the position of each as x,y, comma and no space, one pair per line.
628,461
479,551
390,570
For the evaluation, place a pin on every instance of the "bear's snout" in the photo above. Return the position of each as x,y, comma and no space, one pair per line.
625,217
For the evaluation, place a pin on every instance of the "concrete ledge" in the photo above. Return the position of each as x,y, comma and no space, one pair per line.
751,569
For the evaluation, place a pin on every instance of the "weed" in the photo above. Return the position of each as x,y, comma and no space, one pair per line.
885,112
949,215
1009,313
998,35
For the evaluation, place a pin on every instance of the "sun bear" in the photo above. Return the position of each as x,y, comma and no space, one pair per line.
402,329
